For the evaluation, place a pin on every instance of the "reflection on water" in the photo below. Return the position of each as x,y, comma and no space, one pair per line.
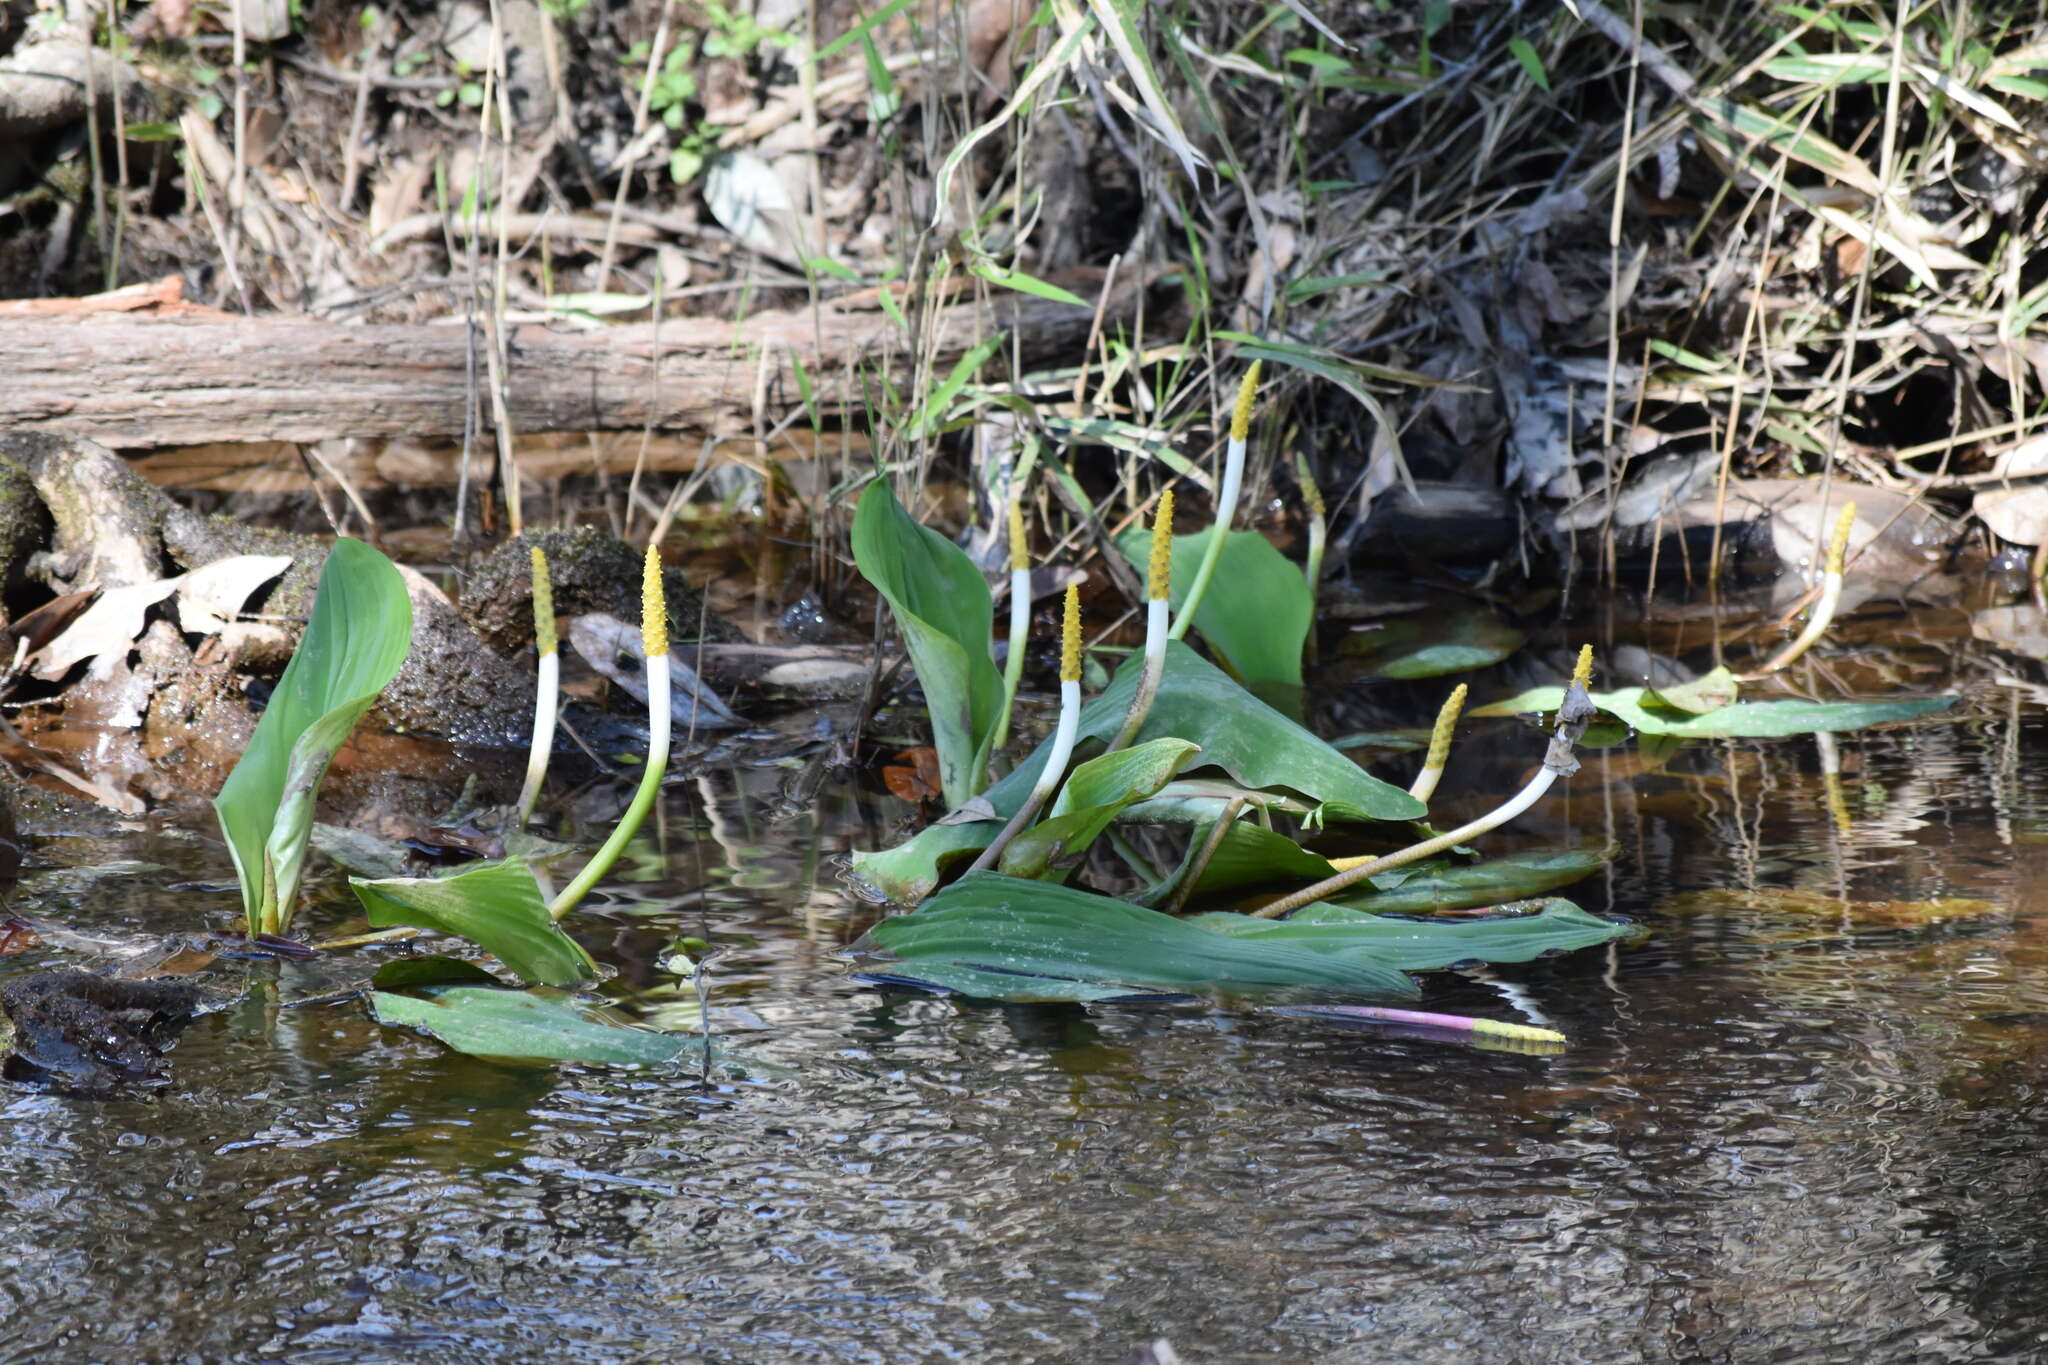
1776,1136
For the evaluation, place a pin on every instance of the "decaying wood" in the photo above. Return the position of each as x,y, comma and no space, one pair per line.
374,464
131,381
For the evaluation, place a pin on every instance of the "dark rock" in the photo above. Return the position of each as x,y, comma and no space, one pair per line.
590,572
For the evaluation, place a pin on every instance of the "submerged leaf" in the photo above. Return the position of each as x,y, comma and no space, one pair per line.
1238,733
522,1025
358,636
497,906
942,606
1429,646
1785,900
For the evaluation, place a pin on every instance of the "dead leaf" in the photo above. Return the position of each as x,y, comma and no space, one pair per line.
914,777
106,631
17,936
2019,515
211,596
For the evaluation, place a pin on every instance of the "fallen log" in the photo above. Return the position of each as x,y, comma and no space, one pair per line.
130,381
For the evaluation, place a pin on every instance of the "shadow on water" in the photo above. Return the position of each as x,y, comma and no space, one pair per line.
1786,1129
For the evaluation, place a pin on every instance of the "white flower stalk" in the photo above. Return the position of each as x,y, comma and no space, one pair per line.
1573,714
1158,588
660,726
1226,500
548,691
1020,620
1823,609
1063,736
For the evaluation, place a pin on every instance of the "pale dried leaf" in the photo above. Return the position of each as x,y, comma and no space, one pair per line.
106,630
211,596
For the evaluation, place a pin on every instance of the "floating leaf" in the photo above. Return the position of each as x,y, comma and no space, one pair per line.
1710,691
1004,939
524,1025
1023,935
1237,732
1257,611
1743,719
360,631
497,906
1443,884
1521,933
1429,646
943,607
1094,795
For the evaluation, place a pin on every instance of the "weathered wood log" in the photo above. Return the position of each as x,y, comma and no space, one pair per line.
135,381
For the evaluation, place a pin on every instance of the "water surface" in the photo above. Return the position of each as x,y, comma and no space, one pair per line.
1776,1135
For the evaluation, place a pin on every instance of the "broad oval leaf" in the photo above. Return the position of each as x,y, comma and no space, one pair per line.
1237,732
1257,611
358,636
524,1025
497,906
942,606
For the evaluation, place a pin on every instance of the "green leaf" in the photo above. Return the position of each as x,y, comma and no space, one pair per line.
360,631
152,132
2020,85
1249,855
1421,945
862,29
1302,290
1096,792
497,906
1532,64
1743,719
1238,733
431,969
1258,609
943,607
1443,884
1036,941
1025,284
933,412
1831,68
1428,646
524,1025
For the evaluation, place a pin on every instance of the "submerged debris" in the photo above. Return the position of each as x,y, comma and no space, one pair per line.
95,1035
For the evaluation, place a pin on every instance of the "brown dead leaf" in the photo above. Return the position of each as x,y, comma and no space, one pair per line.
17,936
914,777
